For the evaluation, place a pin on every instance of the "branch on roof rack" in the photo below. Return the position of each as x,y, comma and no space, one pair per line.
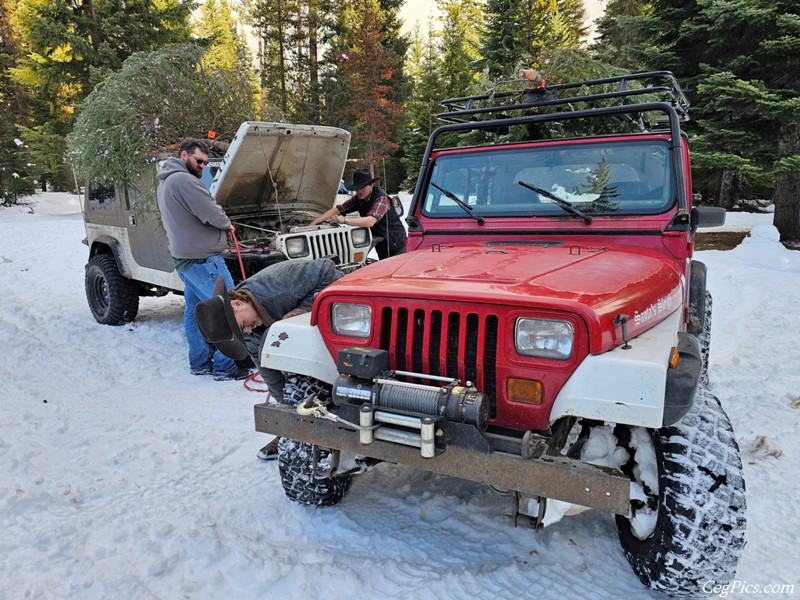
563,97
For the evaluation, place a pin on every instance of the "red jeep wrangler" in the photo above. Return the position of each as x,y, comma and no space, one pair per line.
547,332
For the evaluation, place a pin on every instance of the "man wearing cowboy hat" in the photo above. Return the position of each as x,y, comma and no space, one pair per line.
236,321
374,211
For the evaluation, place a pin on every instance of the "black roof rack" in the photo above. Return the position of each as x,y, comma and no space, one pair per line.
612,91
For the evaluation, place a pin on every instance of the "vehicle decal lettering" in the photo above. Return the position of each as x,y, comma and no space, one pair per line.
655,310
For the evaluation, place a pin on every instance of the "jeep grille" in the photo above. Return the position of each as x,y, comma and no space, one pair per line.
458,344
327,242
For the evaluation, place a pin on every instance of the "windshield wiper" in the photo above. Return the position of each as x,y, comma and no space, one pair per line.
467,208
559,201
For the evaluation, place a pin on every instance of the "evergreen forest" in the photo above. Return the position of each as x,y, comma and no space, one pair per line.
93,85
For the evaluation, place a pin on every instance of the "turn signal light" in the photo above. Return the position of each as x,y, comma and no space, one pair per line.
358,257
524,390
674,358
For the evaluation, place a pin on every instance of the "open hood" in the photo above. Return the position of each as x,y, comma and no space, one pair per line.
302,163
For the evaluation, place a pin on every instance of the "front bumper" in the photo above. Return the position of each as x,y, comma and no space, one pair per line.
560,478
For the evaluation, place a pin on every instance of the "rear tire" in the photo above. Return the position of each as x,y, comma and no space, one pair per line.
113,298
295,459
698,531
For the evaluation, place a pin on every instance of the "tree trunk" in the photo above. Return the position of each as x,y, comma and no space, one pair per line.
787,206
96,36
262,61
726,189
282,59
313,60
787,188
300,60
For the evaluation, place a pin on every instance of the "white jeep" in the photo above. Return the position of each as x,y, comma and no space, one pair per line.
272,180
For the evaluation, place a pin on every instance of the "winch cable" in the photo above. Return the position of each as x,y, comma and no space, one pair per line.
317,409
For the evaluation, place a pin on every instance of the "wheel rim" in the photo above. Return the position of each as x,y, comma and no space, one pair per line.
100,294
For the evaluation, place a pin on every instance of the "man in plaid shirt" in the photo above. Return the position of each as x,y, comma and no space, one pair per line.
374,211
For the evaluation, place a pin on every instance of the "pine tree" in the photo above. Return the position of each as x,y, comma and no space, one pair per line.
218,25
294,76
424,68
367,69
269,19
157,99
519,31
16,178
499,36
71,46
776,62
396,46
460,44
739,62
620,32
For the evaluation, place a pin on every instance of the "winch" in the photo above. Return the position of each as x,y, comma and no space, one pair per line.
412,410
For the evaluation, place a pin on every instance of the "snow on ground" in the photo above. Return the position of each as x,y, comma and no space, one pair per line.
741,221
125,477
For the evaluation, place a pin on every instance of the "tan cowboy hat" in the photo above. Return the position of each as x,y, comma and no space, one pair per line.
218,325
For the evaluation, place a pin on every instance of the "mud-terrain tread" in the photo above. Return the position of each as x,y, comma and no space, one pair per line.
700,528
122,302
704,337
295,457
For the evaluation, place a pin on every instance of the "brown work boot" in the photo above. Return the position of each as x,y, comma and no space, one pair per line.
270,451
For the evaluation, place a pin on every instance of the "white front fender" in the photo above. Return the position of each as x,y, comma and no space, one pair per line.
623,386
295,346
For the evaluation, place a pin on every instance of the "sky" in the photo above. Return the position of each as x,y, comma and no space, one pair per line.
123,476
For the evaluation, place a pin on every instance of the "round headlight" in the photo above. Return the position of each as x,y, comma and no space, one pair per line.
296,247
544,338
353,320
360,237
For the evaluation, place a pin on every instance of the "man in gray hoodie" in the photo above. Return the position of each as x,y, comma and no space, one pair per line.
197,230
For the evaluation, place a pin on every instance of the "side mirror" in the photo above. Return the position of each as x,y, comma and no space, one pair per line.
397,205
707,216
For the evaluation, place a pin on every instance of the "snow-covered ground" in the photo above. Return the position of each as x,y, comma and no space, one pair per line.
125,477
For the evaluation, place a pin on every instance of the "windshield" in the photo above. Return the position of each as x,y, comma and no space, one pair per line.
626,177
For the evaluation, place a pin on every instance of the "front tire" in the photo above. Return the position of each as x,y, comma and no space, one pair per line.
704,337
113,298
693,525
296,461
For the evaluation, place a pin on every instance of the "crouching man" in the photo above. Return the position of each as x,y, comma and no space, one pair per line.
236,321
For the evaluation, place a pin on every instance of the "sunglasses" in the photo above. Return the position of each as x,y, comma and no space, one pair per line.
200,162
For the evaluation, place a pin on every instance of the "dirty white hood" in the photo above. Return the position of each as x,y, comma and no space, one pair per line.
281,167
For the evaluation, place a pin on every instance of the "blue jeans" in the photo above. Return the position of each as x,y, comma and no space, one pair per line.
199,285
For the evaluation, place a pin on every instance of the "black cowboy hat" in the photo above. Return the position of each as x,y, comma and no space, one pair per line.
361,178
218,325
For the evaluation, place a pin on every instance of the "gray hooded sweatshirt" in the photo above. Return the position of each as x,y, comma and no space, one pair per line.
196,225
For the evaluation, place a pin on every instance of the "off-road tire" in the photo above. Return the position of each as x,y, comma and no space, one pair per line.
704,337
113,298
699,531
299,481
